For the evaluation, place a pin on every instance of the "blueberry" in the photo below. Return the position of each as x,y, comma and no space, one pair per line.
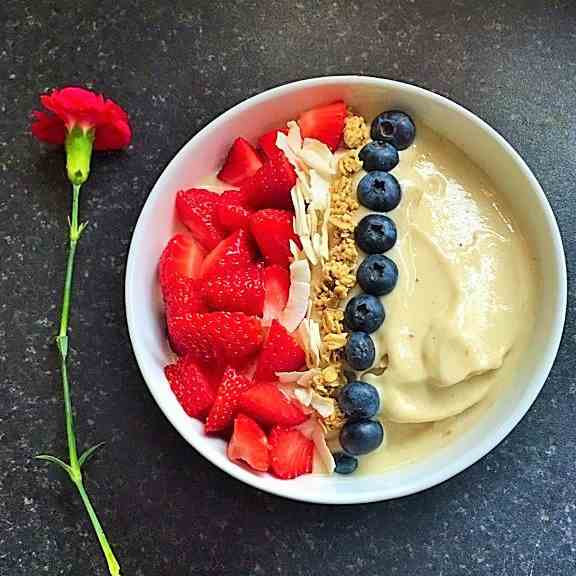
364,313
377,275
375,234
359,351
359,400
345,464
394,127
361,436
379,156
379,191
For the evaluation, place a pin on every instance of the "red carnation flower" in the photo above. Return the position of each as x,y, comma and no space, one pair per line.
73,106
81,121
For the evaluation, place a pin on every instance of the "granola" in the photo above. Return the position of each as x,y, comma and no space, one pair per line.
337,275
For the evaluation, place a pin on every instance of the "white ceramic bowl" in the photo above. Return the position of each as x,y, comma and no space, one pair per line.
203,154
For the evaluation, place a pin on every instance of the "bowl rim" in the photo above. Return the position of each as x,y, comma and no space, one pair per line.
288,489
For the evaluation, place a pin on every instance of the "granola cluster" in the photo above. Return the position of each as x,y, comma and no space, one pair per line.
338,272
356,132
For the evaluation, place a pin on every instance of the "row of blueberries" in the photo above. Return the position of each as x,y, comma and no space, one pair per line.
377,275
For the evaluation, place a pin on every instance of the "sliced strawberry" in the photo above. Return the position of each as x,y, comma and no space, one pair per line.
235,289
191,386
196,209
325,123
182,257
236,197
291,453
183,296
276,289
280,353
216,337
267,142
225,406
242,162
249,444
273,230
270,186
233,210
236,250
267,404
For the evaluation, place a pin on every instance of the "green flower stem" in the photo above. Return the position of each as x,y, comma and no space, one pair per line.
74,467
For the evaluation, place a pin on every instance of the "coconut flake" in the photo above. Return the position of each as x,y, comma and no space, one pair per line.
316,155
320,191
297,304
294,135
294,250
314,430
324,406
323,459
303,395
302,378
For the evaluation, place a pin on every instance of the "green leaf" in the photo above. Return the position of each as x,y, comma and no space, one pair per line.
54,460
86,455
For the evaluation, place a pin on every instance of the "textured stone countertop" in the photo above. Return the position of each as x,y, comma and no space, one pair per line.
175,66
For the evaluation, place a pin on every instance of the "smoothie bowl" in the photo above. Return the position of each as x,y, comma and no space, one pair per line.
345,290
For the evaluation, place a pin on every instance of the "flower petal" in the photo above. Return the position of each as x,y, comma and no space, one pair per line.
75,105
48,128
112,136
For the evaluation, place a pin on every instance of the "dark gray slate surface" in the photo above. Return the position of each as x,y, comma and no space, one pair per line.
175,66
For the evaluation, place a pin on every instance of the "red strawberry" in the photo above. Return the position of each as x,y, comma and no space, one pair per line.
182,257
225,406
270,186
280,353
236,250
276,289
191,386
196,209
291,453
242,162
267,404
267,142
233,210
325,123
183,296
236,197
216,337
235,289
272,230
249,444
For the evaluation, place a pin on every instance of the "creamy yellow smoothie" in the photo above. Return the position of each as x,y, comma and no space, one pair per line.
460,316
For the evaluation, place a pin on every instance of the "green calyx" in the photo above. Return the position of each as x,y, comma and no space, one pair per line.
78,145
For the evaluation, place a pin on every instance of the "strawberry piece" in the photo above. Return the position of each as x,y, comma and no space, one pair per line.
235,289
267,142
183,296
241,163
249,444
291,453
277,290
191,386
216,337
325,123
267,404
270,186
236,197
273,230
280,353
182,258
196,209
225,406
233,210
236,250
